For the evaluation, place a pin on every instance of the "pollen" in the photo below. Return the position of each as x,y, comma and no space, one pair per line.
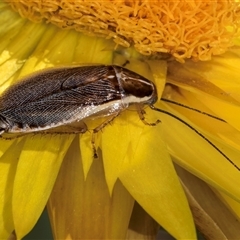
185,29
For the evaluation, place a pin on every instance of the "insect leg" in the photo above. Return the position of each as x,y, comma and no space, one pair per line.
11,138
73,128
99,128
141,113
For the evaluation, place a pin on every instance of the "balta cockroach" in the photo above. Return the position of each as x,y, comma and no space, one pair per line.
63,96
60,97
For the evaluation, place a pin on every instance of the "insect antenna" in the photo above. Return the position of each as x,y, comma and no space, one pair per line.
193,109
197,132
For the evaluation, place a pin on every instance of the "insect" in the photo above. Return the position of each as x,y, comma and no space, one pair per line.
64,97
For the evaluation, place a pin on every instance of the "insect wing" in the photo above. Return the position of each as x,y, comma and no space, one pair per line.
59,96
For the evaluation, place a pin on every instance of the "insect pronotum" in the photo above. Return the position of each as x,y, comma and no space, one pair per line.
62,97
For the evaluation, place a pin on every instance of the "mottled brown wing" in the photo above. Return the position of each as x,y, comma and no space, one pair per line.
57,95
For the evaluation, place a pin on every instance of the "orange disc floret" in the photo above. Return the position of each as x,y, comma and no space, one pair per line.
186,29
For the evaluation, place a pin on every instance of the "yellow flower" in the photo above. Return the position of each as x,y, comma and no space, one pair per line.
89,198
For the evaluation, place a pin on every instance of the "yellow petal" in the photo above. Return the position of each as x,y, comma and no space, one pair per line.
159,72
8,165
5,145
86,151
222,71
199,157
49,51
115,143
37,169
53,50
84,209
216,127
13,54
148,174
228,111
189,79
92,50
214,83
